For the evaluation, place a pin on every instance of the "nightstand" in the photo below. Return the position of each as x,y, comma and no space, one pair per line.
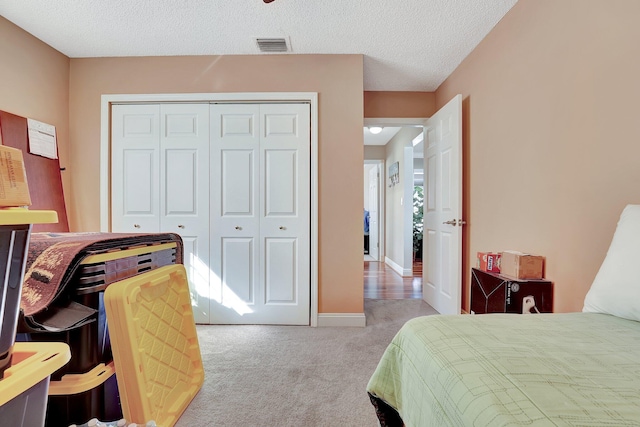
494,293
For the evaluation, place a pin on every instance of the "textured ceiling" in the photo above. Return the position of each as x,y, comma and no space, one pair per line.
408,45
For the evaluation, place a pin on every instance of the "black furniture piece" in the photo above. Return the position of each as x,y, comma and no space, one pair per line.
493,293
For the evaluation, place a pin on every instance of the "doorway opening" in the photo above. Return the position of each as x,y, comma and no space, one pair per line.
443,216
395,161
373,212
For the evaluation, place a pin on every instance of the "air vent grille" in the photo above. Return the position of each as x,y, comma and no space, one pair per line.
272,45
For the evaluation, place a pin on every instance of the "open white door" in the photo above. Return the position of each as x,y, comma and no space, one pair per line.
442,244
374,176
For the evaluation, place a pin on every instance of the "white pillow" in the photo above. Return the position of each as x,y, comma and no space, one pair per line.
616,288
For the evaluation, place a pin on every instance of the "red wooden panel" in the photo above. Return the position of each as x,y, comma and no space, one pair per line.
43,174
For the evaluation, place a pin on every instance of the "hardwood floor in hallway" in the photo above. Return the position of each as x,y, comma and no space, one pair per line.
381,282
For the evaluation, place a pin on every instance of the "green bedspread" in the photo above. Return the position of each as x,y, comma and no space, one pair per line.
573,369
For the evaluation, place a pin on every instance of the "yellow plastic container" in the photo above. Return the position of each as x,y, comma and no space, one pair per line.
155,346
79,383
76,398
23,390
14,216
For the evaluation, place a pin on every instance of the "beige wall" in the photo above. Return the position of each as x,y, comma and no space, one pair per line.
338,79
399,104
374,152
34,83
551,135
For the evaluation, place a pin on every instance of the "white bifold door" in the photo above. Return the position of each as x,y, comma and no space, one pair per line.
260,224
234,181
160,182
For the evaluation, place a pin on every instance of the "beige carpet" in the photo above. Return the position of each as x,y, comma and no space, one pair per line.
294,375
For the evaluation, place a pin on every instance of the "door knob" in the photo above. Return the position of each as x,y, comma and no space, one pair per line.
452,222
136,225
461,222
281,227
180,226
238,227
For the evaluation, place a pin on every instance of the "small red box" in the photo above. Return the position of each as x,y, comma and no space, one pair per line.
488,261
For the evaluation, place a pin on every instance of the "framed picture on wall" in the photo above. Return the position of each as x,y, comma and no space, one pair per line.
394,174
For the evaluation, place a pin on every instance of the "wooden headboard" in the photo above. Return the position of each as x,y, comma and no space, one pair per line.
43,174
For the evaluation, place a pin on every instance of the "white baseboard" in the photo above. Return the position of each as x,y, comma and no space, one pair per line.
404,272
342,319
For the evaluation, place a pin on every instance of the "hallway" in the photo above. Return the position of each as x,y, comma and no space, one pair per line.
381,282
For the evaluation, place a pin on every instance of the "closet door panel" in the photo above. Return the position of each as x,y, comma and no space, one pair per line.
236,124
184,189
135,170
281,124
281,182
281,280
285,207
235,221
238,273
238,183
138,122
181,171
138,182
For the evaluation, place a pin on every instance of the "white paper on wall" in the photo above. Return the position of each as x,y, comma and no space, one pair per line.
42,139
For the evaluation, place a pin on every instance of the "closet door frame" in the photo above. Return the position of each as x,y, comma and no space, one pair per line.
289,97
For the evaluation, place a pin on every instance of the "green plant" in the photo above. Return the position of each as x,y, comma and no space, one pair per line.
418,211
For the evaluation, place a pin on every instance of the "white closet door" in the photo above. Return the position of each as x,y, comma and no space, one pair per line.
260,213
184,189
235,220
160,182
284,207
135,168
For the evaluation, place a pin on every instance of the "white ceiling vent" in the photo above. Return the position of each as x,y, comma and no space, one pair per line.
272,45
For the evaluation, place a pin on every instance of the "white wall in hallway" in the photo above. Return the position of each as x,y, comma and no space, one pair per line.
397,221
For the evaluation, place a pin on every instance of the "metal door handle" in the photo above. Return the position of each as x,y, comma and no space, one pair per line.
281,227
238,227
461,222
180,226
452,222
136,225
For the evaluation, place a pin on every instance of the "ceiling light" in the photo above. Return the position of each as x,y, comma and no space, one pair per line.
375,129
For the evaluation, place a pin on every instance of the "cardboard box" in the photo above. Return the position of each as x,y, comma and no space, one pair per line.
521,266
488,261
14,190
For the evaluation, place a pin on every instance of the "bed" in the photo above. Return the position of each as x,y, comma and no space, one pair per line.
564,369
